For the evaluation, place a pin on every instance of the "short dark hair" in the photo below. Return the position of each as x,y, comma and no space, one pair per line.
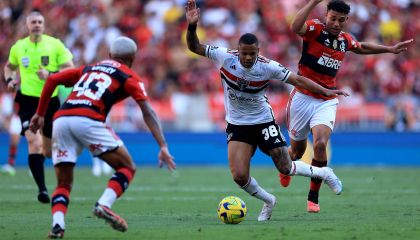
248,38
338,6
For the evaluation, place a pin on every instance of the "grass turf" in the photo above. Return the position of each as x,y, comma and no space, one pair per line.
377,203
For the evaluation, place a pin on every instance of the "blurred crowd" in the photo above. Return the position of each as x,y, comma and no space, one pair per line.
177,81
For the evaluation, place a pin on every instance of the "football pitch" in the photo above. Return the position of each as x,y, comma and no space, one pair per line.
377,203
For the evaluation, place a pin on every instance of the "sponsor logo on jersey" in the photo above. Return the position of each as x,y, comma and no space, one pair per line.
277,140
233,67
329,62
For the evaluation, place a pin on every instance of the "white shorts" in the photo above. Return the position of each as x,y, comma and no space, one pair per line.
72,134
15,127
305,112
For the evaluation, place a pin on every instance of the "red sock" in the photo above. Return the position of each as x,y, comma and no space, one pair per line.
61,198
316,182
12,155
120,180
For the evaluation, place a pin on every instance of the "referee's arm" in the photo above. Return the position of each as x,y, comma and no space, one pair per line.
9,75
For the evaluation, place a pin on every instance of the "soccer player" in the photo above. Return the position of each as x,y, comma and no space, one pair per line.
80,123
36,56
250,120
324,47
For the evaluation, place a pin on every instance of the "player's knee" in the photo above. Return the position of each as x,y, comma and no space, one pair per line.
240,179
320,146
35,146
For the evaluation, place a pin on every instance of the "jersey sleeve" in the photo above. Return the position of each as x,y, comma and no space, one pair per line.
63,53
68,77
13,58
278,71
135,88
313,29
352,42
218,54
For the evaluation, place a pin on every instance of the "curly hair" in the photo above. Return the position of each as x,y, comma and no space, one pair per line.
338,6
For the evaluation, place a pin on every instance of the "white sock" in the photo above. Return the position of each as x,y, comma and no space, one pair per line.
108,197
301,168
255,190
58,218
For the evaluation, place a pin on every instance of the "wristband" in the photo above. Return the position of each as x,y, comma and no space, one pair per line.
192,27
8,80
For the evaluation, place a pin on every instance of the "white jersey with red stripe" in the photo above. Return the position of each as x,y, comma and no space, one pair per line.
245,89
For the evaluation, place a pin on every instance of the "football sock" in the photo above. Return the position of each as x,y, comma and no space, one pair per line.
255,190
60,202
316,183
116,186
36,164
12,155
301,168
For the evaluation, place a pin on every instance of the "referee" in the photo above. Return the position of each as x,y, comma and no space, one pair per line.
36,56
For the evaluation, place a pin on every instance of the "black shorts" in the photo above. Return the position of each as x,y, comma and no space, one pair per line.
27,108
266,136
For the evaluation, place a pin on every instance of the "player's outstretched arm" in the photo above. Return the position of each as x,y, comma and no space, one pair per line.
373,48
192,14
300,81
298,24
153,123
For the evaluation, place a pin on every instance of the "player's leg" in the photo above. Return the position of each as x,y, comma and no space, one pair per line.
322,124
103,143
239,155
14,134
298,115
65,149
121,161
61,198
295,151
273,143
321,134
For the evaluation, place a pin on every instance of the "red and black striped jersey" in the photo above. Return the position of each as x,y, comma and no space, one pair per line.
96,88
322,55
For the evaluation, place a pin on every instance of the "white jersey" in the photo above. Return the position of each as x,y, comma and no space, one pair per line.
245,88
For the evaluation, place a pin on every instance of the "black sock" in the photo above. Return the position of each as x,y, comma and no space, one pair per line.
313,196
36,164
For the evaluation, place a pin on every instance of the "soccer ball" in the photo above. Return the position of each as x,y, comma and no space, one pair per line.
231,210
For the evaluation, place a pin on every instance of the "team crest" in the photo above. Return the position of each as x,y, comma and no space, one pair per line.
45,60
242,83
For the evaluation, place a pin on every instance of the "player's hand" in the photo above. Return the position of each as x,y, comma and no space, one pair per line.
401,46
166,158
42,73
335,93
192,13
37,122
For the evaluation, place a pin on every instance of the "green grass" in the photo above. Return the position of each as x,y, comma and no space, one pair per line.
377,203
